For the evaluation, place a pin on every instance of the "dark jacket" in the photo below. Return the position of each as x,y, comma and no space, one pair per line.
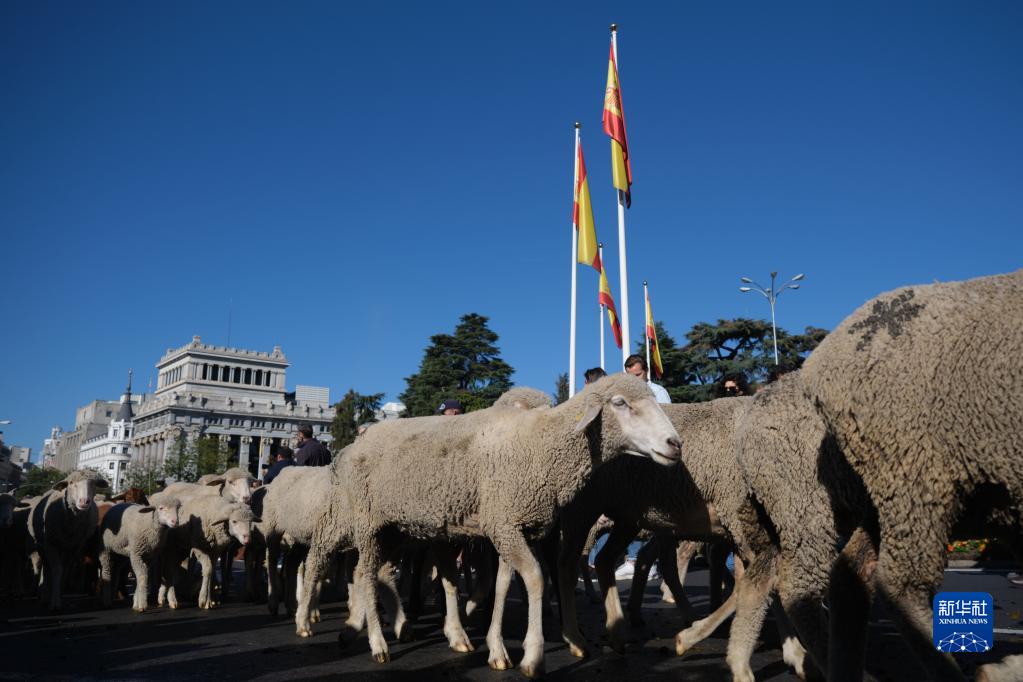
313,453
277,467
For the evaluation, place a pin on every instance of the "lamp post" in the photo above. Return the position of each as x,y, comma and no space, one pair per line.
771,295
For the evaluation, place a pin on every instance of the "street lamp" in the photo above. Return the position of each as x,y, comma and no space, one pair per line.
771,295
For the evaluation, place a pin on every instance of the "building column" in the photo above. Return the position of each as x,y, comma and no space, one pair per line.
264,453
243,452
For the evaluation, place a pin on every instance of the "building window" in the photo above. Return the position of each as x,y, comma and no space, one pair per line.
259,377
113,450
124,449
205,369
110,466
248,376
214,372
267,378
227,374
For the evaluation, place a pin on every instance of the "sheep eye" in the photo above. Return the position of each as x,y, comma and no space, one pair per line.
618,401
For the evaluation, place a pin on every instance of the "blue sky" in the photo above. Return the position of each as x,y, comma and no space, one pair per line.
350,180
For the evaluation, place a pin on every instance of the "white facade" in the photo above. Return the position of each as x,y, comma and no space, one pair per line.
110,453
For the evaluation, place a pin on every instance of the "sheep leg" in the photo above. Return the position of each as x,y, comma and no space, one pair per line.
753,596
205,591
54,575
392,602
717,556
898,576
617,543
274,589
668,561
674,582
366,583
498,658
292,560
704,628
521,558
851,596
453,630
141,570
573,542
315,564
640,576
483,560
105,577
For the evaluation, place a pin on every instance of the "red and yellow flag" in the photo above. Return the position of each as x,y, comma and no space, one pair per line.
608,301
582,215
651,334
614,125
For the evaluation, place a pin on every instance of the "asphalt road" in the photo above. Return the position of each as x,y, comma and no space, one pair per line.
241,641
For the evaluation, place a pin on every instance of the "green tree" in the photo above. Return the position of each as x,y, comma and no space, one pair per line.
351,412
180,461
211,455
738,346
145,473
561,388
38,480
465,365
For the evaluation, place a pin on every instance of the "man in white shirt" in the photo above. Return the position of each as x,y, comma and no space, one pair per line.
636,365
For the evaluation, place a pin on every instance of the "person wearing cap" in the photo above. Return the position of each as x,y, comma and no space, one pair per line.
311,452
284,459
450,407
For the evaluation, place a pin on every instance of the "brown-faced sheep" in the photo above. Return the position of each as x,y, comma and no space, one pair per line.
921,389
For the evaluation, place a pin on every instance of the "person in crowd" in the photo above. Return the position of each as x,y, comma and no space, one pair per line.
732,385
285,458
636,366
311,452
450,407
593,374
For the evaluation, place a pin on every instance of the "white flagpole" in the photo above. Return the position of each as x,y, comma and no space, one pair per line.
600,306
622,270
575,249
646,337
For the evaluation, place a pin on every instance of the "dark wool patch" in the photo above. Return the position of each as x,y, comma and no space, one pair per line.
891,315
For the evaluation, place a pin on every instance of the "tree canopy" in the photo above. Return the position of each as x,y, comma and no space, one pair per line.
466,365
561,388
38,480
737,346
351,412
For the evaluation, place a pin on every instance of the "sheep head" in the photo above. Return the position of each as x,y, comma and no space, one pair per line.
237,485
79,489
167,511
630,422
238,519
523,398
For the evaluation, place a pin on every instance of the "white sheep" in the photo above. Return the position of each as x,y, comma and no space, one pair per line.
139,533
207,525
501,473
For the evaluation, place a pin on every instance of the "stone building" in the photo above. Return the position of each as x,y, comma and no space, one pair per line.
91,421
236,395
110,452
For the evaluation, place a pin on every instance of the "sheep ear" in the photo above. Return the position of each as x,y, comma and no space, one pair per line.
147,510
215,481
60,485
592,413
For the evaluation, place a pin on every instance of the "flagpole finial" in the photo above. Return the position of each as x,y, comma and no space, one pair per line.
644,282
614,27
578,125
600,245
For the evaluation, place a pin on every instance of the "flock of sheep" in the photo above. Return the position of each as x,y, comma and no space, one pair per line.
839,482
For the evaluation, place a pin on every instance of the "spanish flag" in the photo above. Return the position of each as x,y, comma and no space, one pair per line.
582,215
651,334
606,300
614,125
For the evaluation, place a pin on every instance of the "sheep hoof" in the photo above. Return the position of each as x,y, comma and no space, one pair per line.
578,651
382,657
500,662
463,647
138,609
304,632
532,670
667,598
314,616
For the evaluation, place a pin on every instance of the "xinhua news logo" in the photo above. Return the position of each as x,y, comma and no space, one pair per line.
964,622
